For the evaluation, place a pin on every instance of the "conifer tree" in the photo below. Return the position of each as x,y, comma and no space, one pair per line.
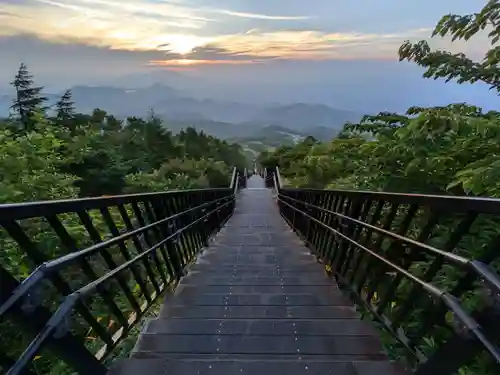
28,99
65,110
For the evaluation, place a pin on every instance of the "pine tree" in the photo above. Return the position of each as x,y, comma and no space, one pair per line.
65,110
28,99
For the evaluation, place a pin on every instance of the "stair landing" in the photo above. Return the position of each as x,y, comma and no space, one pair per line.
257,302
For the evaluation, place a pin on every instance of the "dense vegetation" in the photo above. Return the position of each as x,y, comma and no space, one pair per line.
57,153
451,150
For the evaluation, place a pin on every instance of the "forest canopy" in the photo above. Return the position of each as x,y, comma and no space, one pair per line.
55,153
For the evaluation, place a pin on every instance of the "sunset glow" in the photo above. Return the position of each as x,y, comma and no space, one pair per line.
187,62
197,35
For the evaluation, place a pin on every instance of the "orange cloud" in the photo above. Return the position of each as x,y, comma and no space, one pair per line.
188,62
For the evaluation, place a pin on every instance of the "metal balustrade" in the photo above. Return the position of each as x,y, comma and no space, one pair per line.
423,267
77,275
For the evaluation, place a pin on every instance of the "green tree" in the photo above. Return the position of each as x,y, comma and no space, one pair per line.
111,123
97,119
442,64
65,110
28,97
96,161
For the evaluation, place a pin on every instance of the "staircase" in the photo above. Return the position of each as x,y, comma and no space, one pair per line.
265,279
257,302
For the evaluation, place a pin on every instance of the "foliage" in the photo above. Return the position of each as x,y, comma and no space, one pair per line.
442,64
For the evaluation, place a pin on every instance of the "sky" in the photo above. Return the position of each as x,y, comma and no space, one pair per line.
231,42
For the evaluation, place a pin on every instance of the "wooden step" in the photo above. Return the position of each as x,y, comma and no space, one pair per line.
292,344
259,312
267,327
292,366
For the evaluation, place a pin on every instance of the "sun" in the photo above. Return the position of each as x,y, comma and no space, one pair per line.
181,44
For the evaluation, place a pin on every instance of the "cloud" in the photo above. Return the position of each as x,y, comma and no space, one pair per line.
260,46
308,44
209,55
184,34
259,16
117,24
102,23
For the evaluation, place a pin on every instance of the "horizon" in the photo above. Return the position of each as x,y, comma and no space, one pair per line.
328,52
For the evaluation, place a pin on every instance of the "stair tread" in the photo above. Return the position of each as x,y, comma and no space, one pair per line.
187,288
306,327
260,312
205,266
217,279
259,344
256,299
292,366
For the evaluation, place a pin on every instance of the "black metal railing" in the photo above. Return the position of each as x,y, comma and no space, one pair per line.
423,267
77,275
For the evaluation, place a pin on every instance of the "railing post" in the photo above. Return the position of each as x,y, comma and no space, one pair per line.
353,211
173,246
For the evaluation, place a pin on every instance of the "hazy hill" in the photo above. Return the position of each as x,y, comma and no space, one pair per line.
273,136
302,116
273,124
219,129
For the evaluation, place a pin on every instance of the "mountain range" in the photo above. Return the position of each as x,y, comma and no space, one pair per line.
224,119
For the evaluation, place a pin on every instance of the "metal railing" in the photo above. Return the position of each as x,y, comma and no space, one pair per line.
423,267
77,275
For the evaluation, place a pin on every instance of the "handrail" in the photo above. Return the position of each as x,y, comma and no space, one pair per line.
54,265
402,258
479,268
71,300
135,246
26,210
443,202
448,299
